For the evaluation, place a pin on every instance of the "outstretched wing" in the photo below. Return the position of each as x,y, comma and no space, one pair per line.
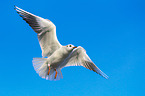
45,29
79,58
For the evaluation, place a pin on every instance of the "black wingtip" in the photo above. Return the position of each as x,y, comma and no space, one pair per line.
20,15
14,7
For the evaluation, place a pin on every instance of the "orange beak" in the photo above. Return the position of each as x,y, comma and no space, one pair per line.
75,47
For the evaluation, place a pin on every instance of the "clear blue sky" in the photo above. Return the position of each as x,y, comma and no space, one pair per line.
111,31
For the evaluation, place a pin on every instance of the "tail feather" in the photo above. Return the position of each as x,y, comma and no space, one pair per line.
59,74
42,68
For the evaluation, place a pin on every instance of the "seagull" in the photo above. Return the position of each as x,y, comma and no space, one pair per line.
54,55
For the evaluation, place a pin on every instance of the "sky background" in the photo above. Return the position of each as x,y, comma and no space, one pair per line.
111,31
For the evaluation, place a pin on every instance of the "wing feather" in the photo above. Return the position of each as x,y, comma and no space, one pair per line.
45,29
79,58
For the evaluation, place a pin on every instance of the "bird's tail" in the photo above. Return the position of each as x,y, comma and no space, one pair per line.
41,67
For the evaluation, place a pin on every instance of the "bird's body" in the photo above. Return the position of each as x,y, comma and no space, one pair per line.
58,57
54,55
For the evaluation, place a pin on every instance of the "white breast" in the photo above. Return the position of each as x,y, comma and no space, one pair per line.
58,57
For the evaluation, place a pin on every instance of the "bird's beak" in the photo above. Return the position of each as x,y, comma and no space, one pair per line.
75,47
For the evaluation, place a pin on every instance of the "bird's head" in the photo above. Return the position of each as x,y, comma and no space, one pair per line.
70,47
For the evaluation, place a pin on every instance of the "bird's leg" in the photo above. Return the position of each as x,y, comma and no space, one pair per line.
48,69
55,73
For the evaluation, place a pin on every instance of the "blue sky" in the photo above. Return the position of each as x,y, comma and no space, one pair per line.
111,31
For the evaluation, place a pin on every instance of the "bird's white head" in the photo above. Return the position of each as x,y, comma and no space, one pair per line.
70,47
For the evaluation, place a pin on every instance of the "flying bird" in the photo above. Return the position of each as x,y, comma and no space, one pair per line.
54,55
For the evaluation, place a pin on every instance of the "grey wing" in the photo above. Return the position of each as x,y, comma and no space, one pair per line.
45,29
79,58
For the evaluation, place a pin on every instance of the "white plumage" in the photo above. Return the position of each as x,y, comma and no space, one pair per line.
54,55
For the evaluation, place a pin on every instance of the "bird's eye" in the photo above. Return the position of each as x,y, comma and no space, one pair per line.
69,45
